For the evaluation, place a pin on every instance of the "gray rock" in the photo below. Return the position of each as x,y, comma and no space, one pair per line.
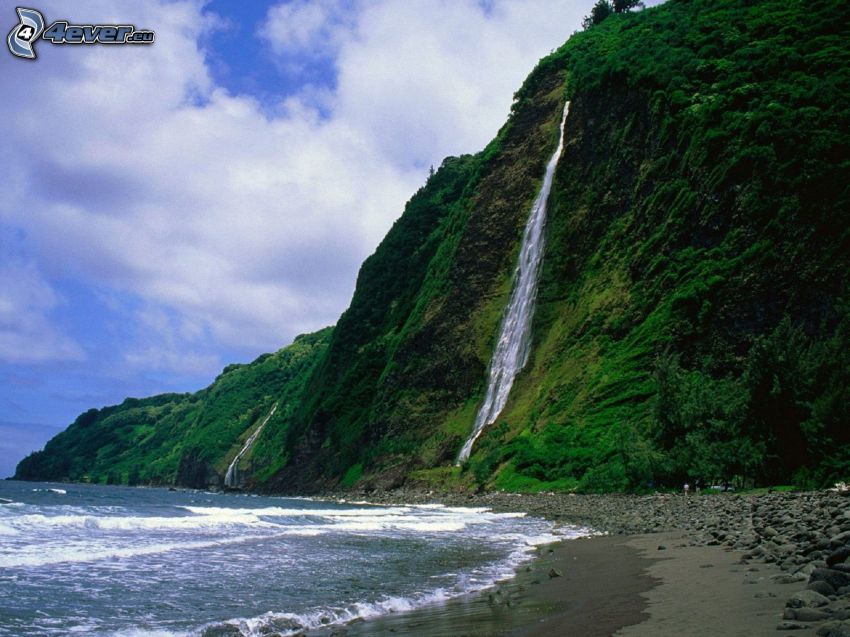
838,556
839,539
554,572
821,587
835,629
834,578
788,625
807,599
806,614
806,569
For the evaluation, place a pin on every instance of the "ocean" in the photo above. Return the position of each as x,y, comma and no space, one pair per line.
126,562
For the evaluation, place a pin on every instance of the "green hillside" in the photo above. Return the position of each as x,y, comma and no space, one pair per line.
186,439
693,315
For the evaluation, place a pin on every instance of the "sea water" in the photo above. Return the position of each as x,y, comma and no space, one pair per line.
121,561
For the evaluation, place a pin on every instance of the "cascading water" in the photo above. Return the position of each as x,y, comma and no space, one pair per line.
514,343
231,478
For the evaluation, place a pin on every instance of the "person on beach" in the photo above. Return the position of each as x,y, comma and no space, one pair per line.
687,488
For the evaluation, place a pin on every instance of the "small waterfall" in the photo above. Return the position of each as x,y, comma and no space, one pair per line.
514,343
231,478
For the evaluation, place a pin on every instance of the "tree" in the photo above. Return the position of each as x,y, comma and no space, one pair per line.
601,10
622,6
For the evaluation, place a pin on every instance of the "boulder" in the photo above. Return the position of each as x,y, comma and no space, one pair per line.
834,629
838,556
807,599
806,614
821,587
839,539
834,578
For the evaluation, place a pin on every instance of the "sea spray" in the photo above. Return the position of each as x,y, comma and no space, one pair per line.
191,563
514,344
231,478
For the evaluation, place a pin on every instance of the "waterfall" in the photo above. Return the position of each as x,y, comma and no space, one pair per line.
231,478
514,344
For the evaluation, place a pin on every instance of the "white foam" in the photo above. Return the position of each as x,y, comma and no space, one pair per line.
217,512
87,551
480,579
296,623
143,632
227,517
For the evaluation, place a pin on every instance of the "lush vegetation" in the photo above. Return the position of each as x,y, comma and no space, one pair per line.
693,317
186,439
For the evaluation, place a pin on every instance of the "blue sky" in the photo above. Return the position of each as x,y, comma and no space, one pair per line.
166,210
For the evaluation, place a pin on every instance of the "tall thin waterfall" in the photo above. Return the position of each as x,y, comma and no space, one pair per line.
514,343
231,478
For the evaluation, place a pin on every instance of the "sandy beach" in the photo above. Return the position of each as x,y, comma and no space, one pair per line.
717,567
608,585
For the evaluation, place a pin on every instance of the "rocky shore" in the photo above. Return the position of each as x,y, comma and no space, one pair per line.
806,535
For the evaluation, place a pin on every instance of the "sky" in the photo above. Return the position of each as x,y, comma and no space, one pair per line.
168,209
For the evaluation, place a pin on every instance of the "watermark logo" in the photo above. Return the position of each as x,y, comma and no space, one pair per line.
22,37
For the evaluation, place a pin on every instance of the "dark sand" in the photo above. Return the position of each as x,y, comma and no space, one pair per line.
609,585
704,591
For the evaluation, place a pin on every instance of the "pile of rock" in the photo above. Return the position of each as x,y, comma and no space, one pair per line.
808,537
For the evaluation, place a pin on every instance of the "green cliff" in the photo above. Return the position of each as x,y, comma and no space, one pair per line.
185,439
693,318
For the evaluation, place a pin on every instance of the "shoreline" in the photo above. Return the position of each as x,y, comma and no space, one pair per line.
578,601
604,585
670,565
700,566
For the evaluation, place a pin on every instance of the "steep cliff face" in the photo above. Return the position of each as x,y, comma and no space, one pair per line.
406,363
692,316
694,291
697,253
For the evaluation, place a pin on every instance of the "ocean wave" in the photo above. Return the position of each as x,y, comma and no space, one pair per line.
216,512
424,519
145,632
483,578
29,522
88,551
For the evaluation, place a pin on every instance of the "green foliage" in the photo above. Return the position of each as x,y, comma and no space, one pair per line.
601,10
148,441
621,6
780,419
683,227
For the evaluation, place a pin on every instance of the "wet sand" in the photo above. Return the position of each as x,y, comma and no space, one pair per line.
608,585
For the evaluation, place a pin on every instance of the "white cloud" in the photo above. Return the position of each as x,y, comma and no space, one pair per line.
133,170
26,332
307,27
431,78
